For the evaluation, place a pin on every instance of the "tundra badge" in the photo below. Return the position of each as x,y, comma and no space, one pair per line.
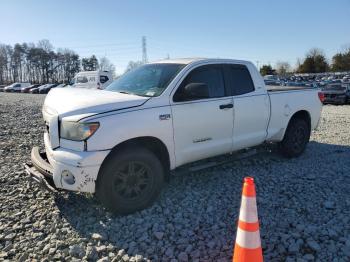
164,117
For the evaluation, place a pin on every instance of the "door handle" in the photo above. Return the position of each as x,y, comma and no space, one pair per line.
226,106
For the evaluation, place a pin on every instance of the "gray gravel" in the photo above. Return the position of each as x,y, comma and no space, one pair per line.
303,204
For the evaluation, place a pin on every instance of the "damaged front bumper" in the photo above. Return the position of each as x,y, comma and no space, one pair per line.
66,169
40,170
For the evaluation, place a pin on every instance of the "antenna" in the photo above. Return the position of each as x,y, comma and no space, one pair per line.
144,50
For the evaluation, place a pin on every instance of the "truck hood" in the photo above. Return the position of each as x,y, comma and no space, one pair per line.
81,101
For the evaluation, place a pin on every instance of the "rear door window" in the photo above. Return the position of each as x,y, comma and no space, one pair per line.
239,79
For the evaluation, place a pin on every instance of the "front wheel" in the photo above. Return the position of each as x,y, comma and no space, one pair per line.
296,138
130,180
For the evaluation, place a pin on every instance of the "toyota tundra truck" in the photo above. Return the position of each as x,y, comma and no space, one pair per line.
122,142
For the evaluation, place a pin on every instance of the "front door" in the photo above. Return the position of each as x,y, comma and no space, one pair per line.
202,126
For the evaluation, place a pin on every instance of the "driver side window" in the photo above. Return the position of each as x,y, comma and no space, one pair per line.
209,76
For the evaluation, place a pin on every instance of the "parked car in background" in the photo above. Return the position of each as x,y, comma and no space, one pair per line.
35,90
2,88
272,80
93,79
16,87
336,94
61,85
45,89
26,89
346,79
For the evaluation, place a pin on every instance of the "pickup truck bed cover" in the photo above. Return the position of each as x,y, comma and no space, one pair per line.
287,88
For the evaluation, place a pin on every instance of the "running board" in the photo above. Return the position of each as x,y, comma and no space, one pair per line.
240,155
244,155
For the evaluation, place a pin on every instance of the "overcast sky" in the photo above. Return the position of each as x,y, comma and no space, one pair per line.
256,30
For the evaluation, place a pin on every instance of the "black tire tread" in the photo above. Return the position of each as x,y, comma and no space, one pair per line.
286,145
105,175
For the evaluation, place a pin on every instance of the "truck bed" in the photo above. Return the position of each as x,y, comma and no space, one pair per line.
285,101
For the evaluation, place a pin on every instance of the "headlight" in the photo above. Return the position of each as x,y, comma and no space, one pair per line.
78,131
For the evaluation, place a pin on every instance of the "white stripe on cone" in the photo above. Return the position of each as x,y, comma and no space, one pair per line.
248,212
247,239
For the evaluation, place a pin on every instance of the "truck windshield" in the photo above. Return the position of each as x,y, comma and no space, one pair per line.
147,80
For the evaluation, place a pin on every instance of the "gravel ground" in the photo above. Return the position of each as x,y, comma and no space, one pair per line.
303,203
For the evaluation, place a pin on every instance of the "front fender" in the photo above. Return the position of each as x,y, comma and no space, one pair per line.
119,127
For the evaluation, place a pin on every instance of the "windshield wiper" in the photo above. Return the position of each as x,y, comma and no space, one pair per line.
124,92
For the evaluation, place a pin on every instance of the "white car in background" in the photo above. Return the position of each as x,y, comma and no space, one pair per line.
93,79
16,87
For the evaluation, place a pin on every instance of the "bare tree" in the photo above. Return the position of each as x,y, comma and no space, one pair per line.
39,63
106,65
133,65
283,68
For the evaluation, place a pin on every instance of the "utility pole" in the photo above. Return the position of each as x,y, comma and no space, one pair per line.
144,50
257,64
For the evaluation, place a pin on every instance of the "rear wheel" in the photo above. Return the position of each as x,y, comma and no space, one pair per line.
130,180
296,138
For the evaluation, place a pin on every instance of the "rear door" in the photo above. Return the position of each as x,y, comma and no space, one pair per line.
251,108
203,127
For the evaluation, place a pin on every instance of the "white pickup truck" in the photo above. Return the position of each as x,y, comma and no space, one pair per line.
121,143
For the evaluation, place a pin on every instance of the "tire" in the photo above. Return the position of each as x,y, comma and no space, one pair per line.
130,180
296,138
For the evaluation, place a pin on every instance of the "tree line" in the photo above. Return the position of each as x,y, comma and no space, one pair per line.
315,61
40,63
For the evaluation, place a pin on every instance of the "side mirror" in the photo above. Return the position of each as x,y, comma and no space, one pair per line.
194,91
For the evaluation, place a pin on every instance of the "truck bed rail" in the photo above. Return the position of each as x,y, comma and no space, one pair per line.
287,88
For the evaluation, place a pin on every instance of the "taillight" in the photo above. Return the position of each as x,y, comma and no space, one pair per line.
321,96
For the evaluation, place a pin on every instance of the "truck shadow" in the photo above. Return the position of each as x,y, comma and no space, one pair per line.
197,211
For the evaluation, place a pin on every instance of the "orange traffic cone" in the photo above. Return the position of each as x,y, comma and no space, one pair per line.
248,245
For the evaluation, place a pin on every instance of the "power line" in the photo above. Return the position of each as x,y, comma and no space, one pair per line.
125,44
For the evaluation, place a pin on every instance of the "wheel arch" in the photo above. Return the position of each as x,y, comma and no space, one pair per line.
153,144
301,114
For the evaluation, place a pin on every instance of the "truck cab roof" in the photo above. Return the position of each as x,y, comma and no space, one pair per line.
192,60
